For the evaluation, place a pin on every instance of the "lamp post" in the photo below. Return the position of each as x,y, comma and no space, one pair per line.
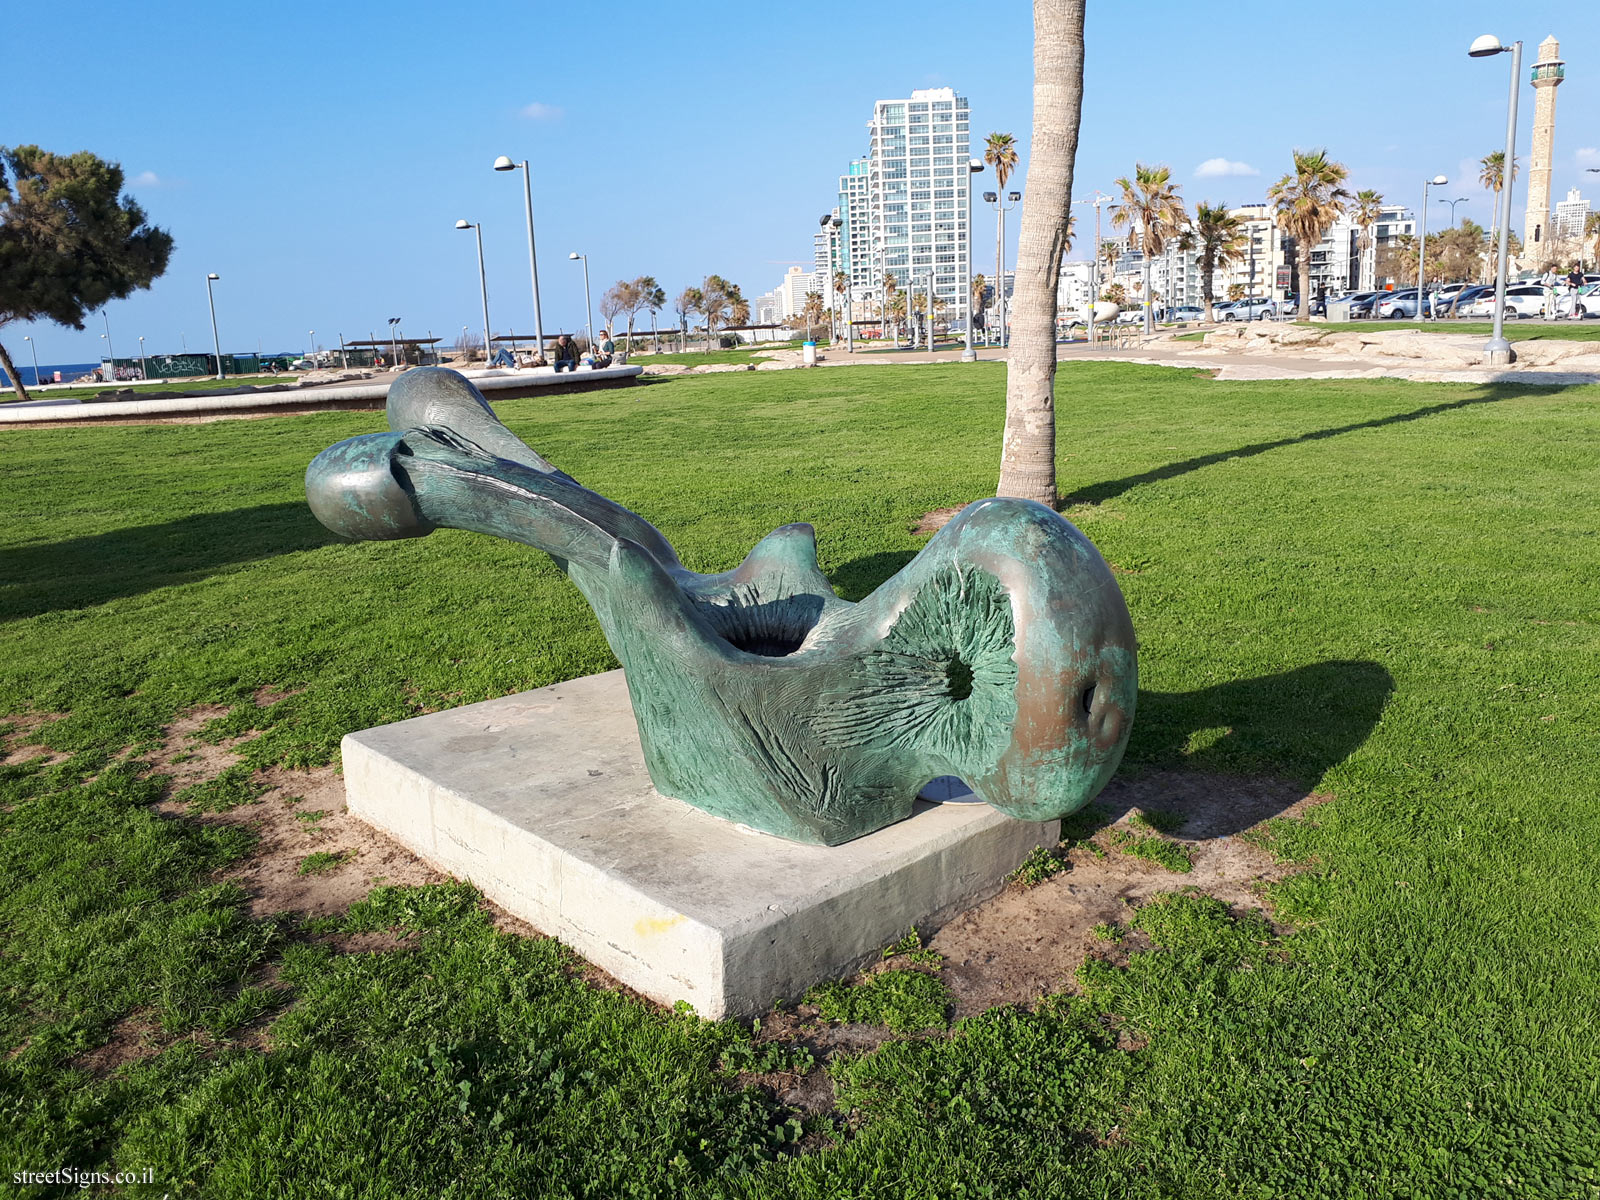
829,221
34,347
110,353
394,340
483,286
211,299
969,353
1497,349
588,309
311,350
1001,208
144,370
505,164
1422,242
1452,204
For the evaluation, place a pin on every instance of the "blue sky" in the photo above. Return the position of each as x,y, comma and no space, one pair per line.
317,156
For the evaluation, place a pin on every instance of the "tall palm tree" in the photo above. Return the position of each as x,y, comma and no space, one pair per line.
1493,177
1369,207
1000,152
979,284
1221,238
1309,199
1150,203
686,305
655,299
841,285
891,288
1028,450
1110,253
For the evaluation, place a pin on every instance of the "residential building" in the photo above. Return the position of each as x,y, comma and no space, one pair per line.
1571,214
908,213
1075,289
767,309
792,291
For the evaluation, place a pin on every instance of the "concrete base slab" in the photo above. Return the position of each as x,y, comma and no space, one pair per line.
543,802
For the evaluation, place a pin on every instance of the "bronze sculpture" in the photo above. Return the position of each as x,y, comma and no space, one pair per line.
1003,653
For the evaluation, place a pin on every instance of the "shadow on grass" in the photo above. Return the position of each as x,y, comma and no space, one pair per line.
128,562
1099,493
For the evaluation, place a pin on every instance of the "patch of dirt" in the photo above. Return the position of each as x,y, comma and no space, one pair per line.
15,744
1027,943
267,696
936,520
134,1038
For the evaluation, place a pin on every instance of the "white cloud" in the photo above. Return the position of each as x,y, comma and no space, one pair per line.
541,112
146,179
1589,156
1216,168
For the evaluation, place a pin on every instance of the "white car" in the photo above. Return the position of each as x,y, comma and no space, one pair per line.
1528,300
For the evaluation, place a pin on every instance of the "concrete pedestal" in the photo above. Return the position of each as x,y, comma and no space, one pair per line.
542,800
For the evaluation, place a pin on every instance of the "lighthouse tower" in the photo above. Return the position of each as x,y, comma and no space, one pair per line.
1548,72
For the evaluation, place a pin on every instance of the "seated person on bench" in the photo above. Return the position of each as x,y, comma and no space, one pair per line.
566,355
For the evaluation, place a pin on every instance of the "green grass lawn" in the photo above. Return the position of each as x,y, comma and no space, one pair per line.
1381,590
1516,331
182,385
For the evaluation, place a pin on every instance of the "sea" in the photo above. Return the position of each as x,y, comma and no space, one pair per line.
69,372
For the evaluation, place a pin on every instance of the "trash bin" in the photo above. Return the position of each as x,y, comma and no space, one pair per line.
809,353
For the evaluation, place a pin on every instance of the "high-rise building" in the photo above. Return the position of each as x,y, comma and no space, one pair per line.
1571,214
905,205
792,291
1548,72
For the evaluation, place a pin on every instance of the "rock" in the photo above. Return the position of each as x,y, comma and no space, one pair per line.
666,369
722,368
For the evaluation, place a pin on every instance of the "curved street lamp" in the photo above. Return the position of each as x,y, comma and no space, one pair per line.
1497,350
211,299
969,353
1422,242
483,287
34,346
588,309
504,163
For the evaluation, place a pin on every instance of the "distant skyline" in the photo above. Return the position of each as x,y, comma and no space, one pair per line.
318,161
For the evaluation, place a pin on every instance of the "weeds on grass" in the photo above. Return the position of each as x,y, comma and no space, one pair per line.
1153,848
904,1001
235,786
911,949
323,861
1040,865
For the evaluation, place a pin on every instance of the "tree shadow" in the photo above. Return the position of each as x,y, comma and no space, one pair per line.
1099,493
80,572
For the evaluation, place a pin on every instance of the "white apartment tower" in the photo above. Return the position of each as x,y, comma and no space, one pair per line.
906,203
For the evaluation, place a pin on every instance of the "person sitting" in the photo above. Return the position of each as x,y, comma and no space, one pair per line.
566,354
605,351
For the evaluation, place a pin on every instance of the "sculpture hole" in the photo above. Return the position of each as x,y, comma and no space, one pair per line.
766,647
1088,699
958,677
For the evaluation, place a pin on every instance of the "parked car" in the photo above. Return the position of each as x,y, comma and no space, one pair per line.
1221,307
1522,300
1399,304
1257,309
1289,306
1187,312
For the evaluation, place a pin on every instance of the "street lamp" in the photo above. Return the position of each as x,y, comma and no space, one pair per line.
1422,241
1000,256
34,347
1498,350
505,164
829,221
394,339
588,309
969,353
110,353
311,352
483,286
211,299
144,370
1452,204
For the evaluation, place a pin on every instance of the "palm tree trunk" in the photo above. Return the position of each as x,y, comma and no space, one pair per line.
1028,453
1208,270
12,374
1304,273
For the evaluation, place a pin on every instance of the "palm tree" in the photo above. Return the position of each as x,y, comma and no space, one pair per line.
1369,207
841,285
1028,449
1150,201
1309,199
812,311
891,287
686,305
979,285
1221,237
655,299
1110,252
1000,152
1493,177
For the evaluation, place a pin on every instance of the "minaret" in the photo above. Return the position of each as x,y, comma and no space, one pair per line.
1548,73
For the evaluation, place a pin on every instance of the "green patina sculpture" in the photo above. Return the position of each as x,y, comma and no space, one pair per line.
1002,654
